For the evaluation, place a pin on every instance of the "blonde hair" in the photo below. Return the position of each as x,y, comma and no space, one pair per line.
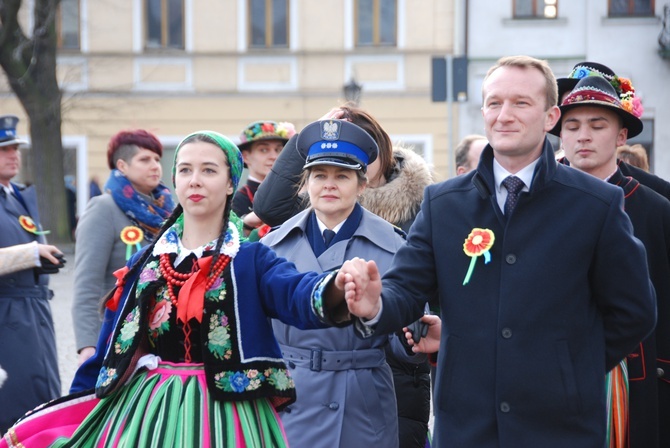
530,62
635,155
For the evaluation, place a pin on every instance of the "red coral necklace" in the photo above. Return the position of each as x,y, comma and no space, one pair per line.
175,278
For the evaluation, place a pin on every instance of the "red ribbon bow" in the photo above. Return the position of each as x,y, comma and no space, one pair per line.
192,294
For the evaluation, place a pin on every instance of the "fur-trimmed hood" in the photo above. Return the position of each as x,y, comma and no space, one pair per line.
399,199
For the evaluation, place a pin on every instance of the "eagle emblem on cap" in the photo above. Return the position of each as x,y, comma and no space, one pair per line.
330,130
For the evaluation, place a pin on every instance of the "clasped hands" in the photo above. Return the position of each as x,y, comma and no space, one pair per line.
362,286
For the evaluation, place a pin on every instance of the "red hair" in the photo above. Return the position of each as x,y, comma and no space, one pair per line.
138,138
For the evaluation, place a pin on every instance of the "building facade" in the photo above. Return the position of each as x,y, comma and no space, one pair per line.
624,35
176,66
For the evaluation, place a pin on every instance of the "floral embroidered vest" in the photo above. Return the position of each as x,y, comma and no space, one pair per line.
147,323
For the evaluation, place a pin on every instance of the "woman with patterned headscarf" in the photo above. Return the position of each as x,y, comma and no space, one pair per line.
186,356
116,223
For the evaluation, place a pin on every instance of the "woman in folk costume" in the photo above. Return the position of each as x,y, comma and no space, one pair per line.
114,225
186,356
358,408
396,180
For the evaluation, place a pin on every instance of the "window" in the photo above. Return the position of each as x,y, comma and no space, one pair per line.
535,9
376,22
268,23
628,8
165,24
67,25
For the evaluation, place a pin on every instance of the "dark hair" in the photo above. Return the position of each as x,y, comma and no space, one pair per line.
364,120
125,144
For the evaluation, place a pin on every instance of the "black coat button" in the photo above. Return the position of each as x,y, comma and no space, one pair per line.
510,258
291,365
506,333
504,406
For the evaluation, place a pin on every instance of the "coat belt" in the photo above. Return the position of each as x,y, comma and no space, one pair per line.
34,292
318,359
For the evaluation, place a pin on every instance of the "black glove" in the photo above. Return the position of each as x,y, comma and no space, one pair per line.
418,328
48,267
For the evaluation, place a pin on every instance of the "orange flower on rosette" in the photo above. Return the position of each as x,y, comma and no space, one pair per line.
29,225
132,236
478,243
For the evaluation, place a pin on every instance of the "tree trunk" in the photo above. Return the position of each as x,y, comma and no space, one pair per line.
30,65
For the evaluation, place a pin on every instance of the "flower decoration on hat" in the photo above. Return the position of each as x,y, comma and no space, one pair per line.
623,86
29,226
630,102
132,236
267,130
478,243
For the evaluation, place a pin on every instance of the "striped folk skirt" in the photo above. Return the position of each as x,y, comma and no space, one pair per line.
165,407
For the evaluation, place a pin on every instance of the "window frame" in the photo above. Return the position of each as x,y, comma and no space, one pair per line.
59,28
631,10
376,26
535,15
269,27
165,25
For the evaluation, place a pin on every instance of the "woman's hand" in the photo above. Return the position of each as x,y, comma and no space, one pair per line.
333,114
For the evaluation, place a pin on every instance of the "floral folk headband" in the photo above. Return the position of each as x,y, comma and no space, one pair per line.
232,152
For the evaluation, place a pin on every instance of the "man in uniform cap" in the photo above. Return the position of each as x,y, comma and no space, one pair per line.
593,124
28,346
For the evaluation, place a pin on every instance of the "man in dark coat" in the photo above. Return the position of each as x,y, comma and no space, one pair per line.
27,339
542,286
593,124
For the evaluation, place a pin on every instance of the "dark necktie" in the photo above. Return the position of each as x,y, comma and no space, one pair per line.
328,236
514,185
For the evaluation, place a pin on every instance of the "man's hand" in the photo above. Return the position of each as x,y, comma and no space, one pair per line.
431,342
362,287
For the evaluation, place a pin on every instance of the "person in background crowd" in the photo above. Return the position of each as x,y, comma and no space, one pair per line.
94,187
114,225
187,357
394,191
260,143
361,408
71,199
593,124
634,155
533,315
626,93
28,344
468,151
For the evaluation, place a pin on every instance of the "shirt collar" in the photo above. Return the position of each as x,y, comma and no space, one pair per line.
323,227
525,174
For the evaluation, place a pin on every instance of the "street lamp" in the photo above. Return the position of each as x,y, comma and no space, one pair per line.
352,91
